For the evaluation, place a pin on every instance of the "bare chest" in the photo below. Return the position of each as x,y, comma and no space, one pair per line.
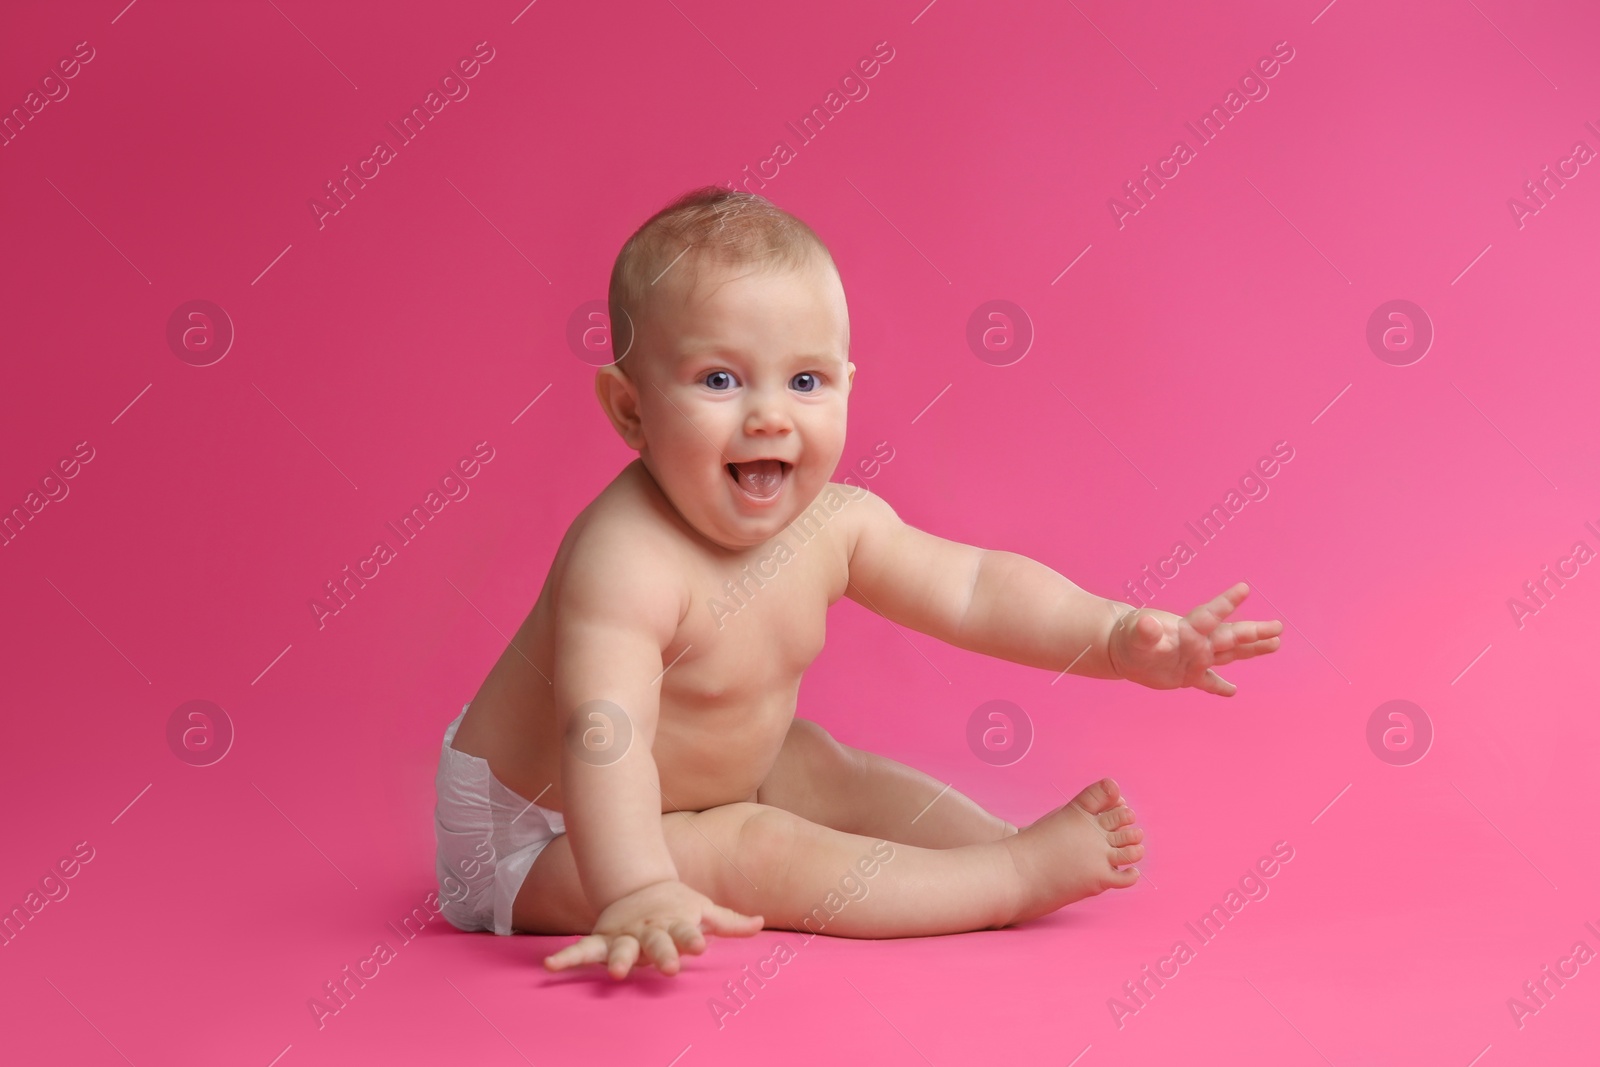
756,623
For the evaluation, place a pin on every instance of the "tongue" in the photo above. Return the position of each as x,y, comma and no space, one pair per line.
760,478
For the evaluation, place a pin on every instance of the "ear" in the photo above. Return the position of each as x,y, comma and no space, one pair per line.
619,399
851,380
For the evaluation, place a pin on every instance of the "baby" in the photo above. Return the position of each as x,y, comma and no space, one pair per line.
632,768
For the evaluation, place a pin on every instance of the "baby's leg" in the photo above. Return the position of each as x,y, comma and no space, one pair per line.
761,860
862,792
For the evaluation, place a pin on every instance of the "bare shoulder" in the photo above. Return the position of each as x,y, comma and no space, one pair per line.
905,573
866,517
622,557
850,515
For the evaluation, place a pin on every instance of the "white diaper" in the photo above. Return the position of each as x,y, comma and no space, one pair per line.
488,839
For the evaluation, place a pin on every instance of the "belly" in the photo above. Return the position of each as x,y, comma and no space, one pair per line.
726,705
725,708
709,750
709,756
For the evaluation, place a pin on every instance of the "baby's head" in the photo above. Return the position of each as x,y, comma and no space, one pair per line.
732,342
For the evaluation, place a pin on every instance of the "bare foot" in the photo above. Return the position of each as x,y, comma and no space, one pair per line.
1075,851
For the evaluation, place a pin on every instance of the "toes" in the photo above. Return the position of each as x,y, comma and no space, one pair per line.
1124,878
1116,818
1127,854
1099,796
1130,835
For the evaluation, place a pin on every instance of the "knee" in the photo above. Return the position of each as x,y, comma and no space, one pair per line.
767,840
734,853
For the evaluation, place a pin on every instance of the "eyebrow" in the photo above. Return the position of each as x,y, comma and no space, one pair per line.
712,351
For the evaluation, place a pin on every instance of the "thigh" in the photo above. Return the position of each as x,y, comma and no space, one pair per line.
552,901
814,776
861,792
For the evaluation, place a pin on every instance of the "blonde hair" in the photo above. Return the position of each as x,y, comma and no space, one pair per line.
711,222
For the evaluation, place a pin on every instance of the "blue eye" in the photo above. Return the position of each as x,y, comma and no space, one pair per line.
715,377
806,382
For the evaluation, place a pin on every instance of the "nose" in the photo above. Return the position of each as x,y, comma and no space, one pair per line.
767,414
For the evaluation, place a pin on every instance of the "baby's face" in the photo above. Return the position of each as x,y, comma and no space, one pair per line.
742,396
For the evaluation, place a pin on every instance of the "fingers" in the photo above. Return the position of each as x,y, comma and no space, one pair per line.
621,952
1254,648
1212,682
725,922
659,949
1245,632
1145,631
624,951
687,938
657,946
590,949
1208,616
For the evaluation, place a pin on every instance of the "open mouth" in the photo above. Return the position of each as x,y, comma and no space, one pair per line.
760,480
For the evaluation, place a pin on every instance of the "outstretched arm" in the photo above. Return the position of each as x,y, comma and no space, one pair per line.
996,603
1009,606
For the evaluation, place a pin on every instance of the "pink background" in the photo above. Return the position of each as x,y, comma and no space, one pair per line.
373,353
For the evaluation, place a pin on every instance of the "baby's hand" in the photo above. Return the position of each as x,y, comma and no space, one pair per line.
660,919
1167,651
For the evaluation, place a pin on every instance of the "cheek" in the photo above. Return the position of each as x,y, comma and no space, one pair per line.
825,433
680,428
